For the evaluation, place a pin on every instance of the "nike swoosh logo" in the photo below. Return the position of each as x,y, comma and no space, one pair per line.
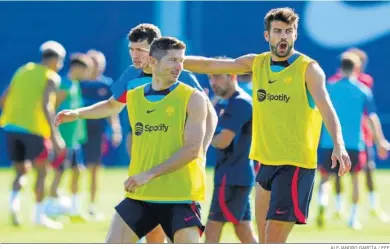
345,25
149,111
280,212
189,218
271,81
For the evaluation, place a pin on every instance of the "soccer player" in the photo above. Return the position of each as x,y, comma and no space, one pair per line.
94,90
74,134
28,109
369,168
342,93
167,170
234,174
138,74
289,97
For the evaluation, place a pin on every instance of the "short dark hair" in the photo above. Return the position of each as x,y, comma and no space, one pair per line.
144,31
82,60
161,45
347,65
286,15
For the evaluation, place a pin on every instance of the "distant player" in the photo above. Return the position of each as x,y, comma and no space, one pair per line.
74,133
94,90
234,174
167,171
289,97
27,117
351,99
369,168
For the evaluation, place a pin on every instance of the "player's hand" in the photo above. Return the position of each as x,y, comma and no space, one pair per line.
116,138
133,182
383,149
65,116
341,155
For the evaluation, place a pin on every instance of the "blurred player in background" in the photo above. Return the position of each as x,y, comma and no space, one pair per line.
284,140
94,90
74,133
28,109
163,188
234,175
369,168
245,82
351,99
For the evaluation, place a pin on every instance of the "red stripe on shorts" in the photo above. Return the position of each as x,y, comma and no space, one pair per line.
222,203
294,194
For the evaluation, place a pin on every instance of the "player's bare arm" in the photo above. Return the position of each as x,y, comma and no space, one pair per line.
116,129
211,125
61,96
380,140
194,134
315,80
99,110
223,139
199,64
49,110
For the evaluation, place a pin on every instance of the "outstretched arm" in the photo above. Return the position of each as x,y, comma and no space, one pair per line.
199,64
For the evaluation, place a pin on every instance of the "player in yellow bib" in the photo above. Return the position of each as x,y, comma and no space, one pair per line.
167,171
289,98
27,116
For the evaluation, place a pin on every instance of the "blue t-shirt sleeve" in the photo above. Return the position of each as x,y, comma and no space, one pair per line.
120,85
190,79
236,114
369,102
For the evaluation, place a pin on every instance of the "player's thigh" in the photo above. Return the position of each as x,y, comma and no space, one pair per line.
137,215
120,232
291,194
156,236
187,235
176,217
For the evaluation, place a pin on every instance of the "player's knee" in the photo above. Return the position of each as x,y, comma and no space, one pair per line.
213,231
187,235
278,231
244,232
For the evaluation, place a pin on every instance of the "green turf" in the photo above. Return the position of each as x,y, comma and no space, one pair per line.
111,192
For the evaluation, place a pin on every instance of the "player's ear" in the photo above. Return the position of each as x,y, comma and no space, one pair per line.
266,35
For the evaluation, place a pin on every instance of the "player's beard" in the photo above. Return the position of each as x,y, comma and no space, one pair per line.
274,49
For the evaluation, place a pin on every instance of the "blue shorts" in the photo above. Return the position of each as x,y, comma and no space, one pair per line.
142,217
291,191
230,204
358,161
93,147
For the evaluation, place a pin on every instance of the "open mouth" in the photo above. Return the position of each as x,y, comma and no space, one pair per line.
283,46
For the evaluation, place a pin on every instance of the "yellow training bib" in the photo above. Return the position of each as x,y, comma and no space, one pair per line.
23,106
158,133
286,126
